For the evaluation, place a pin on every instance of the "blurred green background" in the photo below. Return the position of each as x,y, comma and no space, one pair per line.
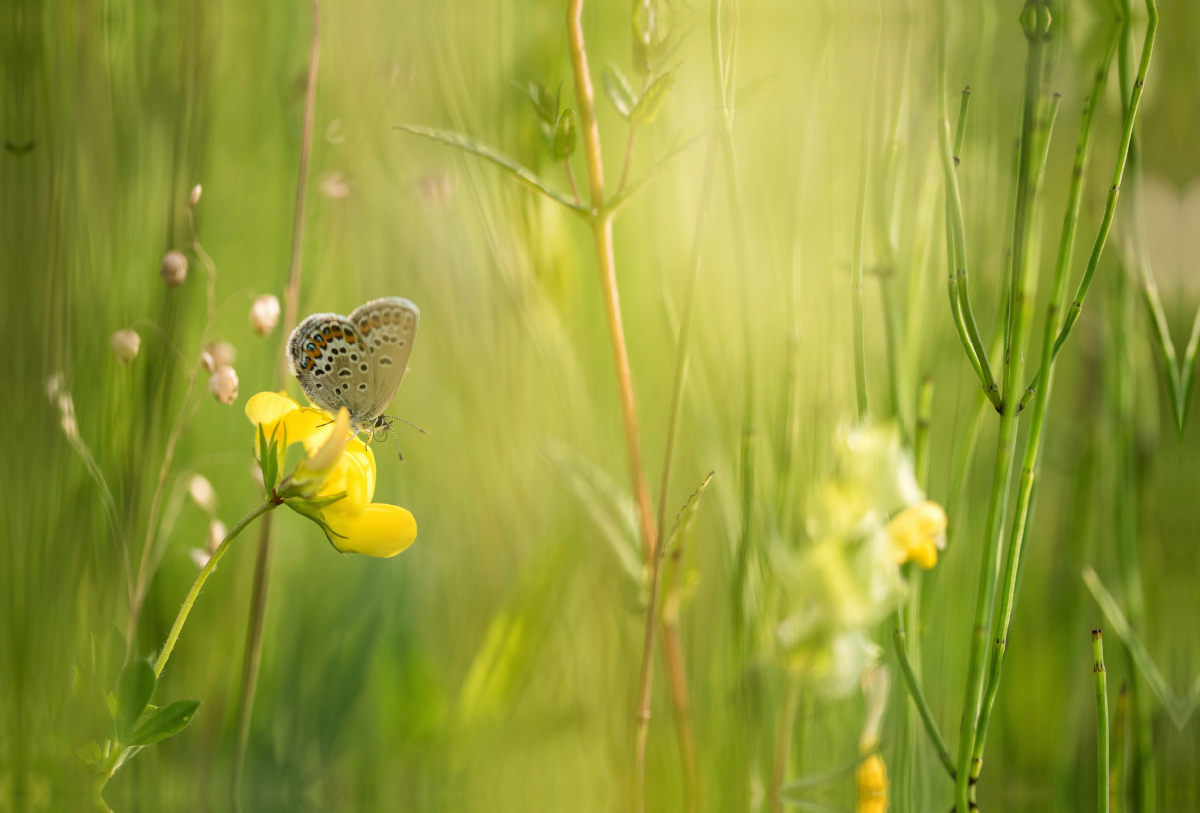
493,666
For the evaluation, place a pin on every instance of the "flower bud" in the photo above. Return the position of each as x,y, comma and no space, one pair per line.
264,314
195,196
223,354
223,384
207,361
125,344
54,385
202,493
200,557
334,186
216,535
174,268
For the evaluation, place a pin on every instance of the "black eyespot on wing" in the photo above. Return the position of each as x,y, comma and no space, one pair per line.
362,386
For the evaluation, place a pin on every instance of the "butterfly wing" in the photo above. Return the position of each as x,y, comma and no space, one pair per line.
386,330
329,359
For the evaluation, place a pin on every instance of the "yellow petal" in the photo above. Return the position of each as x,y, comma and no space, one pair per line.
355,475
267,409
309,426
381,530
872,785
316,468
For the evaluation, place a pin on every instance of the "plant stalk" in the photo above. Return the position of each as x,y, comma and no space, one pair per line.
1101,723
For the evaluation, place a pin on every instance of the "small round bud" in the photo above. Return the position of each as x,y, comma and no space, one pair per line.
66,412
194,198
264,314
174,268
202,493
125,344
223,354
223,384
334,186
206,359
216,535
54,385
200,557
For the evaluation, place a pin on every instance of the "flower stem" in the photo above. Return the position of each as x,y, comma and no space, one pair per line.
291,298
208,568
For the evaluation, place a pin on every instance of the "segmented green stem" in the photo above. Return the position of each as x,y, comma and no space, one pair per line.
1030,463
1036,23
1110,203
1101,723
918,695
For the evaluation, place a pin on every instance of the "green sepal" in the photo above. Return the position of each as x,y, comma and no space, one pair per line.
618,90
565,135
311,510
166,722
135,687
269,457
647,107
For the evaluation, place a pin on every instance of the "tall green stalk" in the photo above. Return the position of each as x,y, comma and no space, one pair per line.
1030,464
1035,20
1101,723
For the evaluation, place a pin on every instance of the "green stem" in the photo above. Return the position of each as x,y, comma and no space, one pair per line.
1110,204
918,695
1101,723
956,248
856,275
1033,439
208,568
1036,23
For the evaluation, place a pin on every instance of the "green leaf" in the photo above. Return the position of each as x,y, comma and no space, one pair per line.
651,102
166,722
565,136
135,687
544,105
90,753
676,594
619,91
468,144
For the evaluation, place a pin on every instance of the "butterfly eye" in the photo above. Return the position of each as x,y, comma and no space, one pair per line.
379,433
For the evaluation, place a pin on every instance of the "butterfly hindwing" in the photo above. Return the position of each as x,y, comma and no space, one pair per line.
327,357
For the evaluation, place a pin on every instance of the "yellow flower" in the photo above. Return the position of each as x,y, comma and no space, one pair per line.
918,533
336,463
872,783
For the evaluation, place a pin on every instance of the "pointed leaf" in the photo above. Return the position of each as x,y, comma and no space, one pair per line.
471,145
135,687
166,722
564,136
618,90
651,102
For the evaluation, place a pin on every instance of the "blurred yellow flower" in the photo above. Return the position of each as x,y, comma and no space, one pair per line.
918,533
335,463
872,783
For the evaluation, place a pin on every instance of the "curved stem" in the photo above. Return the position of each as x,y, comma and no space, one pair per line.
208,568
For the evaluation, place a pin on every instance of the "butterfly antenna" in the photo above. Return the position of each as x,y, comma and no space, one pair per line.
410,423
392,432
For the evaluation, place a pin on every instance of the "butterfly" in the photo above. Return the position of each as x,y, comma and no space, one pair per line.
355,361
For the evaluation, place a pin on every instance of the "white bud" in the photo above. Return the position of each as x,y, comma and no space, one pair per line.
334,186
54,385
223,384
264,314
174,268
207,361
125,344
195,196
66,411
223,354
202,493
216,535
199,557
436,188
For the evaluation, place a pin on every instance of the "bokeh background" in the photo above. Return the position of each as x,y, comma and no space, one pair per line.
493,666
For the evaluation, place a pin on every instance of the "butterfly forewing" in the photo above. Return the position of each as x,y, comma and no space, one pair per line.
355,362
386,328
